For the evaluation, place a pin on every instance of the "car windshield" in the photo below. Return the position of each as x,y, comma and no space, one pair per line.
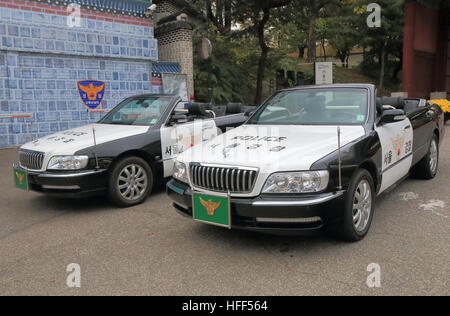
144,111
337,106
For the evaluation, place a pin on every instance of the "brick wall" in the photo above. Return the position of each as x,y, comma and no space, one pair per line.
165,9
41,59
176,46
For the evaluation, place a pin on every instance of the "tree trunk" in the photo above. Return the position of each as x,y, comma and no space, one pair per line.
397,69
219,12
228,17
312,38
301,52
383,67
324,50
263,57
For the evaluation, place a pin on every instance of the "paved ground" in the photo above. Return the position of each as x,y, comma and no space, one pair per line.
151,250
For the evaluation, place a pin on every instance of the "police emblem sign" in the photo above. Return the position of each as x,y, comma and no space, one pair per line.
91,92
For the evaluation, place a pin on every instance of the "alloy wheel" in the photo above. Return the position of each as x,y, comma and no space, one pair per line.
132,182
362,206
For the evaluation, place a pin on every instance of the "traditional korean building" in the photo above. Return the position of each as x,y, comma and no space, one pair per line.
426,60
48,46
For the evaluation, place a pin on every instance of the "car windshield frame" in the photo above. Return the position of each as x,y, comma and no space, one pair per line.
108,119
255,118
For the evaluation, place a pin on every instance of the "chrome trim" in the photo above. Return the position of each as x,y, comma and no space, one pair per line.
233,171
222,181
222,178
31,160
225,166
308,202
69,175
57,187
306,220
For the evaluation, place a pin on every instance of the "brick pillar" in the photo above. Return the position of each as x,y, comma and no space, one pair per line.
175,45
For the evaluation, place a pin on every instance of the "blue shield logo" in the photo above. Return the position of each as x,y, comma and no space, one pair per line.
91,92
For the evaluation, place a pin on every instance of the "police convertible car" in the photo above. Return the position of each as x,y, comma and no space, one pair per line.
309,158
126,153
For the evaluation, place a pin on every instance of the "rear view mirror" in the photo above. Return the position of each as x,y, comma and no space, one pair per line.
392,116
178,119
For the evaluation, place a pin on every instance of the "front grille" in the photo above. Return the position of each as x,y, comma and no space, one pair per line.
31,159
223,179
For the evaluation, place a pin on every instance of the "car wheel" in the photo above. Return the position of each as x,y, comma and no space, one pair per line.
427,168
358,209
130,182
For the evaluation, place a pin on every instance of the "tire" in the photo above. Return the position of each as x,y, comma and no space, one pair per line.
353,227
427,168
130,182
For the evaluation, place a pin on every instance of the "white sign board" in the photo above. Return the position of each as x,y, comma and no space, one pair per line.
324,73
175,84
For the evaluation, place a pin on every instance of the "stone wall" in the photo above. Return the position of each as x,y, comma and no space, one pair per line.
42,58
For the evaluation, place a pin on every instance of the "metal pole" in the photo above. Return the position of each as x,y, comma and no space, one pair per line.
339,157
210,89
95,149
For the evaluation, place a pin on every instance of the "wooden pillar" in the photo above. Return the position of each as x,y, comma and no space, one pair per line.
408,48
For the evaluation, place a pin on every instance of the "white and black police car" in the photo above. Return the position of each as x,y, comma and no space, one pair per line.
126,153
309,158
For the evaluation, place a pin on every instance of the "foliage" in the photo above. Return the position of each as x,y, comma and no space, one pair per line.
444,104
254,38
229,78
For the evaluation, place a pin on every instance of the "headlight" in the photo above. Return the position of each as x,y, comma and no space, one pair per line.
180,172
297,182
68,162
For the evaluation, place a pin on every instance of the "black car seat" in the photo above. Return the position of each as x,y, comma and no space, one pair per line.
379,106
196,111
398,103
234,108
411,105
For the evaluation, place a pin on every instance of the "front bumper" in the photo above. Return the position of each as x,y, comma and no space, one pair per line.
68,184
271,214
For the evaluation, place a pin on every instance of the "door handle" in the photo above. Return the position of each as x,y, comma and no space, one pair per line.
407,127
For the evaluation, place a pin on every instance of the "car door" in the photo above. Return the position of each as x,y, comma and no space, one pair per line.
397,141
421,120
178,138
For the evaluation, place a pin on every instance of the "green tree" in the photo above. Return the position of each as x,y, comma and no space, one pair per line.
344,29
385,40
256,15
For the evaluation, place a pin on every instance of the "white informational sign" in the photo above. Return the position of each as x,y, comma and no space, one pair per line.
324,73
175,84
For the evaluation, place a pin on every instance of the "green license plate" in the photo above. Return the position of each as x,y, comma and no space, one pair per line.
212,209
20,179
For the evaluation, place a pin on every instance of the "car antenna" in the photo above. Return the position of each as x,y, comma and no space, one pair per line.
339,158
95,148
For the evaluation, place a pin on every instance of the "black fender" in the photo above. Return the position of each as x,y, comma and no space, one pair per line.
364,153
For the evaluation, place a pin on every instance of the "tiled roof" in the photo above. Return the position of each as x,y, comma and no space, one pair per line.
131,7
166,67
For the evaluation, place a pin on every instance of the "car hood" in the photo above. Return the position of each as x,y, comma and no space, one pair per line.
71,141
272,148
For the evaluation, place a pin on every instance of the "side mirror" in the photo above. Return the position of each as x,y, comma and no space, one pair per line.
392,116
249,113
178,119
